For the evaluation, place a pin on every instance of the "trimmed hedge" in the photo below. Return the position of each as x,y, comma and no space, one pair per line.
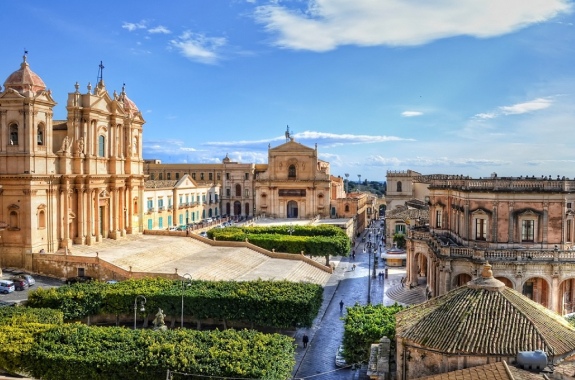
77,352
312,240
277,304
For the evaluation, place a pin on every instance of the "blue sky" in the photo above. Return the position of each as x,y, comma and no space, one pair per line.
440,86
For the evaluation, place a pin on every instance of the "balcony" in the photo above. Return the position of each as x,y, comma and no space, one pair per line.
151,210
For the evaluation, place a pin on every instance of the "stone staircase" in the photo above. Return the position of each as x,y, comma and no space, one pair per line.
407,296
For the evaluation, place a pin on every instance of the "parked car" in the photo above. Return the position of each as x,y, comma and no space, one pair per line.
78,279
339,359
19,283
204,234
26,277
6,286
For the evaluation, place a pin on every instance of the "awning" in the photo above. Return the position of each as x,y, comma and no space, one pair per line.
399,256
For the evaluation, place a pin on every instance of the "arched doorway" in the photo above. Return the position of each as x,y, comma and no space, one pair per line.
292,209
461,279
567,296
506,281
237,208
537,289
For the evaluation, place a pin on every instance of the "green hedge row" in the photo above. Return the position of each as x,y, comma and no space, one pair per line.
277,304
365,325
312,240
75,351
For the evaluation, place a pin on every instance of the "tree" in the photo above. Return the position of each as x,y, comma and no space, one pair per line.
399,240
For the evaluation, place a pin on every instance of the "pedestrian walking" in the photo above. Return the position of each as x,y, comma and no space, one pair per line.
353,267
341,306
353,254
305,340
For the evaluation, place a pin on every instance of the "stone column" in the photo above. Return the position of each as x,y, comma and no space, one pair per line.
412,265
510,238
555,303
97,222
90,218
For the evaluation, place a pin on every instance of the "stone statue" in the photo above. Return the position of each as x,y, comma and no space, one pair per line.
65,143
159,323
80,146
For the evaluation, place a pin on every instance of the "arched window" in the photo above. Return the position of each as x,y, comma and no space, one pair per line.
346,208
40,135
14,220
101,146
238,190
399,186
41,219
291,171
13,134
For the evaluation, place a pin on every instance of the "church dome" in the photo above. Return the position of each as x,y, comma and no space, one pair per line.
24,80
485,318
129,105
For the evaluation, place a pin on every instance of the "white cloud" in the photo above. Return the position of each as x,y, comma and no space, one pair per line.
131,26
435,161
326,24
198,47
411,113
487,115
159,30
533,105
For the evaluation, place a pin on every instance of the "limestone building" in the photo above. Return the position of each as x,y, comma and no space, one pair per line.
64,182
479,323
296,184
524,226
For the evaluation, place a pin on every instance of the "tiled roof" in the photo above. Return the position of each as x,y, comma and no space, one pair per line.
492,371
481,321
403,212
156,184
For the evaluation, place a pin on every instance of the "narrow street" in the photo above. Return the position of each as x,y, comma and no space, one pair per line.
351,287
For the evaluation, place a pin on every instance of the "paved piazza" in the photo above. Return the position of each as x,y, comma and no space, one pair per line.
163,254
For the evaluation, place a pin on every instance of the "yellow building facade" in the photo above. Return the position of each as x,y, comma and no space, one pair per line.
64,182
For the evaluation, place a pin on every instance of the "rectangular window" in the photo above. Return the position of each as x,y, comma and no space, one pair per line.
188,199
528,230
228,176
203,198
150,204
181,199
170,202
228,192
161,222
480,229
101,146
218,176
210,176
193,176
400,229
201,176
177,175
160,203
181,218
438,219
246,176
169,176
247,193
569,205
169,221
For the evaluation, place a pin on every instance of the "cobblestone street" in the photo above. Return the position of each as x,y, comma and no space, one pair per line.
326,334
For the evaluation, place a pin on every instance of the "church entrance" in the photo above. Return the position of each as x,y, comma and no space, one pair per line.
237,208
292,209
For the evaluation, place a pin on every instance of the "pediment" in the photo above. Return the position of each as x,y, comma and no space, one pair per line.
292,146
13,207
185,182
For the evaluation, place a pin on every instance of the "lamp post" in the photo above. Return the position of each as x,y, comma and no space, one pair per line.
142,308
346,183
185,277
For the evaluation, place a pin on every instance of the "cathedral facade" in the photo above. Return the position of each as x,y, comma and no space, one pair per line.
64,182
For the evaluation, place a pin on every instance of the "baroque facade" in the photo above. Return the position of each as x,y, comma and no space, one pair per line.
524,226
64,182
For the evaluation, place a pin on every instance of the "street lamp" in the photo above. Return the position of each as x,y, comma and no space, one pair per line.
188,277
346,183
142,308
